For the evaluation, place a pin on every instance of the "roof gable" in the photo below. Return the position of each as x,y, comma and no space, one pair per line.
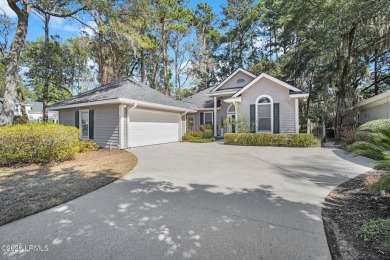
234,74
264,75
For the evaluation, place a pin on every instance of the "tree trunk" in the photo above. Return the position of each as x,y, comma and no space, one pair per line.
45,92
22,105
165,58
11,64
142,66
376,86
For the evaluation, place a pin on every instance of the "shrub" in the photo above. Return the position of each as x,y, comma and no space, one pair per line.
195,134
201,140
375,125
207,133
37,143
205,127
372,140
348,133
377,231
85,146
292,140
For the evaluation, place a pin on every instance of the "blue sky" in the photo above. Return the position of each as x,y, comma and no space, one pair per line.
68,28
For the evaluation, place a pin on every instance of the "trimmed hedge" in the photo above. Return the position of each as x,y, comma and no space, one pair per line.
290,140
375,125
38,143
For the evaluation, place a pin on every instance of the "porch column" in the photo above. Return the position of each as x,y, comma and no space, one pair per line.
215,116
296,115
236,116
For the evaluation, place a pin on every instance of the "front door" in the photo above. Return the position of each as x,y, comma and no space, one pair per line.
191,123
231,126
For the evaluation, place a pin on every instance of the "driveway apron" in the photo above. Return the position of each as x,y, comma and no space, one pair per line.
201,201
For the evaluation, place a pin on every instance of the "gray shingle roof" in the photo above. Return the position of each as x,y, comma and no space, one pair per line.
200,99
128,88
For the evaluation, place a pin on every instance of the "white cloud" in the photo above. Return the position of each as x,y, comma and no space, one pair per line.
8,11
56,22
70,28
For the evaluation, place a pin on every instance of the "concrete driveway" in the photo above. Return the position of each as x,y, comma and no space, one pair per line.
201,201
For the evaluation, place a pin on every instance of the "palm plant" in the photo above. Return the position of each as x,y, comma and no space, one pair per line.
375,143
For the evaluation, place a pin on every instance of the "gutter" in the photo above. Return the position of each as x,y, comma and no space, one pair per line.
124,101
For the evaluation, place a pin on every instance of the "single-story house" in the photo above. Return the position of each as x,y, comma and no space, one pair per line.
377,107
268,105
34,111
128,113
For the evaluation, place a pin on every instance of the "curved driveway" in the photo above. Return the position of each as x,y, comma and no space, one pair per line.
201,201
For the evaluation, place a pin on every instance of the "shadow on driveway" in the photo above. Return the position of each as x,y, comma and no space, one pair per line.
155,220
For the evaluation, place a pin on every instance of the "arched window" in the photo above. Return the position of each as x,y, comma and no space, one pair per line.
264,114
231,109
240,81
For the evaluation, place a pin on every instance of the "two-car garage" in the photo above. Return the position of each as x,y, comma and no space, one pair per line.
149,127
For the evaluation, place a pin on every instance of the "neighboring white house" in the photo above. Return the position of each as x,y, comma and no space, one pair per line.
377,107
128,113
34,111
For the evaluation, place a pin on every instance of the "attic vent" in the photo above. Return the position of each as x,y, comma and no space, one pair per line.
240,81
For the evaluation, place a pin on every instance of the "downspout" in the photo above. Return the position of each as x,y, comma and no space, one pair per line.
181,128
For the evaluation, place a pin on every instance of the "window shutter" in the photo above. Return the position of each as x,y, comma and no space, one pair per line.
91,123
276,119
77,119
252,124
201,118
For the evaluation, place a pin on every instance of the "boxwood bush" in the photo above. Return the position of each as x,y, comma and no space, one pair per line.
291,140
38,143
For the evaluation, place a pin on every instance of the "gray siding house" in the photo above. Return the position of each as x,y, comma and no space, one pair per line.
127,113
377,107
267,104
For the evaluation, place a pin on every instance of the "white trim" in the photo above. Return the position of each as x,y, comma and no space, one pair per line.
236,117
80,125
212,117
125,101
222,93
233,100
128,122
234,73
121,127
207,109
181,125
257,114
373,99
299,95
227,110
215,116
296,116
263,75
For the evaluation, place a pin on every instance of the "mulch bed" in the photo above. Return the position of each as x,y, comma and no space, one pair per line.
345,210
31,189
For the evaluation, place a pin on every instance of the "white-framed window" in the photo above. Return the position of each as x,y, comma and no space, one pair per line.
264,114
208,118
231,109
84,123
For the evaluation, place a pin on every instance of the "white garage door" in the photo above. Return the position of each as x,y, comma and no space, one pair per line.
148,127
